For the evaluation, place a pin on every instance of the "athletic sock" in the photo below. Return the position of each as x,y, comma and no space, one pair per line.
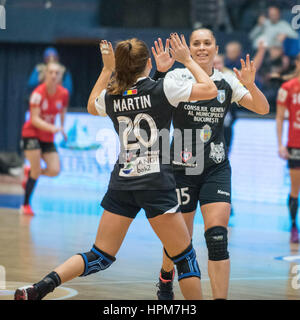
48,284
293,207
167,275
29,189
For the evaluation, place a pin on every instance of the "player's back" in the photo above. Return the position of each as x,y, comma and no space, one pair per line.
142,118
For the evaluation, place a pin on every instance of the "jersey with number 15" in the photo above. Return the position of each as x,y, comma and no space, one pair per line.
289,97
142,116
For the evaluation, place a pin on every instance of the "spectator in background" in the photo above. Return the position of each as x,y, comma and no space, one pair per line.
233,55
272,30
275,63
38,74
243,13
219,64
272,65
212,14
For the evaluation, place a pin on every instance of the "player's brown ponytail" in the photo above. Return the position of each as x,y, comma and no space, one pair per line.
131,59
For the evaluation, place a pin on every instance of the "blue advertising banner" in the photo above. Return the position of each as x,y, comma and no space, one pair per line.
89,154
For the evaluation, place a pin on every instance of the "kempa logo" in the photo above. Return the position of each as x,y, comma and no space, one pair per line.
224,192
2,17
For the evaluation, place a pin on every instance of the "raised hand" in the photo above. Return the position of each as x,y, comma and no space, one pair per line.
179,49
247,74
108,55
162,56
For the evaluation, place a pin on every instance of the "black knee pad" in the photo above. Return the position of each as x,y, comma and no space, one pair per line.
95,261
217,242
186,264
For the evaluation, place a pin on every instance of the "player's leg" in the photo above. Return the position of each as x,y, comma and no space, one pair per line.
173,233
111,232
215,204
162,210
33,155
188,199
168,265
110,235
167,272
293,202
51,158
216,217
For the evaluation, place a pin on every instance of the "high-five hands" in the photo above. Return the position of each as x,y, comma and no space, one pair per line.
179,49
247,74
162,56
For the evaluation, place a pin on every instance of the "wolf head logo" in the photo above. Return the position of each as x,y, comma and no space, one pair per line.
217,152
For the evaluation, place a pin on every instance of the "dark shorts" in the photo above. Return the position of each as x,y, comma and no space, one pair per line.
214,185
294,161
129,203
35,144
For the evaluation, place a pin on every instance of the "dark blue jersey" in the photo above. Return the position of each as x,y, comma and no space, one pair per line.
201,122
142,118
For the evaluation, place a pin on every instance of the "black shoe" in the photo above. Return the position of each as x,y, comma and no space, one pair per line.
27,293
165,289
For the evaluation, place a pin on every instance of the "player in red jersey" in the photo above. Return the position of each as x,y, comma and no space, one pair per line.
46,101
289,99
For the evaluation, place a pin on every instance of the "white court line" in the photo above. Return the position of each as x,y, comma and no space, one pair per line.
151,281
71,293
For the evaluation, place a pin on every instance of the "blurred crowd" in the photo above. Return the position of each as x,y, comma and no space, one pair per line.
274,44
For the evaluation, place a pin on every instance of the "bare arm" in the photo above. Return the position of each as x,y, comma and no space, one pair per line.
205,88
104,78
255,99
258,29
62,117
39,123
282,150
100,85
62,122
260,54
162,56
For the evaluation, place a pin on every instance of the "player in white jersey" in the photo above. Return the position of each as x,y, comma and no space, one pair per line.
211,186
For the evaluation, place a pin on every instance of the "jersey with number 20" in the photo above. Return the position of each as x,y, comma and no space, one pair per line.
142,116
